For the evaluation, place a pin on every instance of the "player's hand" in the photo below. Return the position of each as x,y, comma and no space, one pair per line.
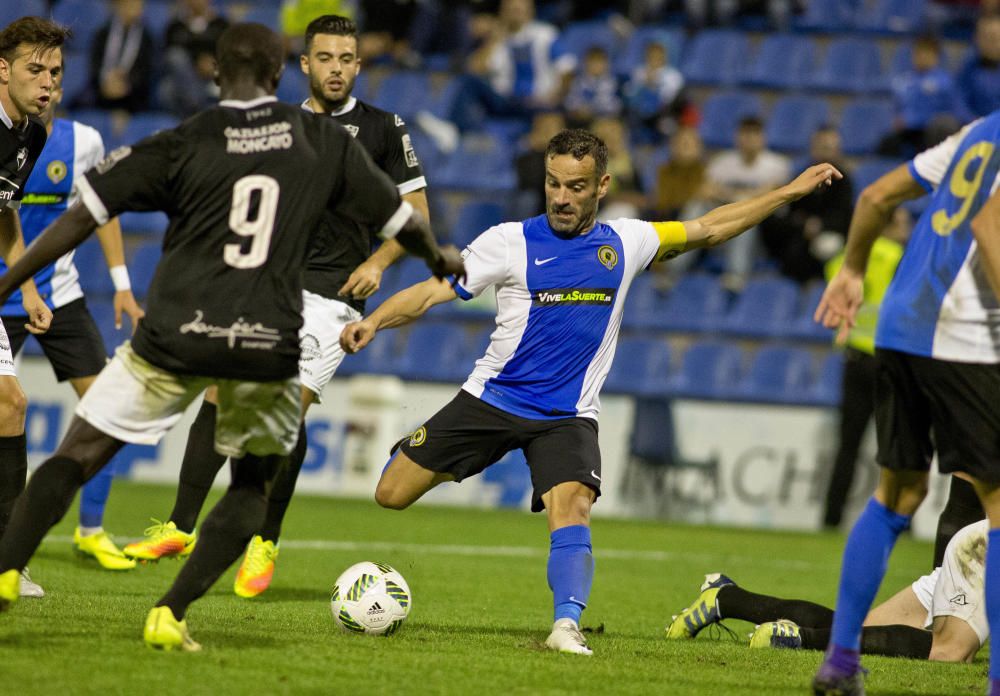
356,336
449,263
813,178
838,308
125,302
39,314
363,282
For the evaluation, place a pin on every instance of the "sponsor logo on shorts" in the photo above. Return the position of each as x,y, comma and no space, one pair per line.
253,336
309,347
418,437
608,257
959,599
590,296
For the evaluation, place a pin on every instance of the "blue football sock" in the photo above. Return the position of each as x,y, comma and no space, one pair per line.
992,588
570,571
94,497
866,557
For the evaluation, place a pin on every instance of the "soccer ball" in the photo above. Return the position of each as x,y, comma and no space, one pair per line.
370,598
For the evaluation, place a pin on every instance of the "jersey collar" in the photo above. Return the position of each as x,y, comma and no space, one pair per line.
5,118
348,106
237,104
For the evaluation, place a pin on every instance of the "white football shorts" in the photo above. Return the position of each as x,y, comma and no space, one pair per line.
956,588
6,357
323,320
135,401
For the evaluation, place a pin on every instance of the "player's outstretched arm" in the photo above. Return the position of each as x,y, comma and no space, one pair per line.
110,237
727,221
12,248
402,308
986,230
843,295
67,232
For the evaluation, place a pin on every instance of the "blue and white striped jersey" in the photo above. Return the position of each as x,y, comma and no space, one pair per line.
940,303
559,309
71,149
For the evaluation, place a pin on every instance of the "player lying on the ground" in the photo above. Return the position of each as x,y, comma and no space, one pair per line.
341,272
561,282
950,602
244,184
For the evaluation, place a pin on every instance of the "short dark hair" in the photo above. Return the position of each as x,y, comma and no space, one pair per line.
249,49
929,42
751,122
42,34
330,24
579,143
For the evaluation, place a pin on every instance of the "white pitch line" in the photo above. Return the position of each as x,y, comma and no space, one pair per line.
515,552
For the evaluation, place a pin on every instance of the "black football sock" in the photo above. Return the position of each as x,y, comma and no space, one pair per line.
888,641
225,533
736,603
199,468
43,503
13,473
283,489
963,508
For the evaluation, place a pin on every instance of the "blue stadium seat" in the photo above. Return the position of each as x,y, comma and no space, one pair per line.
634,53
793,121
142,267
778,374
434,352
721,113
9,11
893,16
828,15
716,57
765,308
641,367
379,357
479,164
827,389
441,101
474,218
405,93
852,64
784,61
104,316
93,269
709,370
803,327
77,77
99,120
294,85
84,16
142,125
576,39
697,303
867,173
157,14
645,303
264,13
864,123
144,223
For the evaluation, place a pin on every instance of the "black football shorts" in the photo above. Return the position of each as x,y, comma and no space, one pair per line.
73,344
468,435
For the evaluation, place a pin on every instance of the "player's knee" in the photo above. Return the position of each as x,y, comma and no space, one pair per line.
390,496
13,402
949,652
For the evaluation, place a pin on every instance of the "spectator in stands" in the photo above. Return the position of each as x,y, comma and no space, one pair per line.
703,12
593,92
512,73
624,198
979,78
530,164
735,175
188,84
386,32
654,94
924,95
681,179
804,237
121,60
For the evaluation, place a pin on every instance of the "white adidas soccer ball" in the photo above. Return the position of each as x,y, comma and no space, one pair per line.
370,598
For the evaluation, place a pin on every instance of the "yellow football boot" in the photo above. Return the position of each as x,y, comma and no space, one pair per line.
164,632
257,568
163,540
10,588
100,547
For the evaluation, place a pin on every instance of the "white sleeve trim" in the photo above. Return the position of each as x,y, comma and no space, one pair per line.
412,185
91,200
394,224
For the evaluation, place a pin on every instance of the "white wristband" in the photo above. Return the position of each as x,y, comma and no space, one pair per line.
119,276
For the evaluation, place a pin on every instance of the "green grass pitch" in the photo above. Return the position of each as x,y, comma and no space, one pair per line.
481,609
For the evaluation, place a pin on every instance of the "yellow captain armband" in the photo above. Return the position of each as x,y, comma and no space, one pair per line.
673,239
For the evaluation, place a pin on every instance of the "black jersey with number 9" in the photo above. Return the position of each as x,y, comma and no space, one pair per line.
244,184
